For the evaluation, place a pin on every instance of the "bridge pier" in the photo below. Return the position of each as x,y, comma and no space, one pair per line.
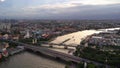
65,47
50,46
58,58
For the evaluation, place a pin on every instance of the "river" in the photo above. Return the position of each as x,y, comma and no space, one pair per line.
75,39
30,60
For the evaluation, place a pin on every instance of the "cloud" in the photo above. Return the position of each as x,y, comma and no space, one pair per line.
95,2
71,9
74,11
71,3
2,0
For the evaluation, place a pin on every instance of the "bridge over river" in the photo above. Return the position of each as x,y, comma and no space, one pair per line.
56,54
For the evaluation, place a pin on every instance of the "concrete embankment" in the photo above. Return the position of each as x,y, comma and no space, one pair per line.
15,51
11,51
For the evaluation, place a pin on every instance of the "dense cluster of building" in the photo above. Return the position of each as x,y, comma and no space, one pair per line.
111,37
17,29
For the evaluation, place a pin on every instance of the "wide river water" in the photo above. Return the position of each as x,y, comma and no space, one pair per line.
75,39
30,60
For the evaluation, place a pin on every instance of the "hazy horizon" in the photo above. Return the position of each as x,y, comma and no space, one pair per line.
60,9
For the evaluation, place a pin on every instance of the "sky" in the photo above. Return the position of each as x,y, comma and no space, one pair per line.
60,9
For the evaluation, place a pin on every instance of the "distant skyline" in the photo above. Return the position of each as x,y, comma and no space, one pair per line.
60,9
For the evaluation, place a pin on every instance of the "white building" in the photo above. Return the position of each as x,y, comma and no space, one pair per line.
5,26
27,34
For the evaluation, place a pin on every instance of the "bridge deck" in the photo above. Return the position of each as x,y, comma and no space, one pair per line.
56,54
47,51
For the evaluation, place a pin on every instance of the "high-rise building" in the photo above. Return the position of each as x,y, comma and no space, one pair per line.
27,34
5,26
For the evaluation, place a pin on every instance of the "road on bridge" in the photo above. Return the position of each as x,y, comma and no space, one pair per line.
64,56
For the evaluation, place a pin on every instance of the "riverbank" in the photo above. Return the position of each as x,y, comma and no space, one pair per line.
10,52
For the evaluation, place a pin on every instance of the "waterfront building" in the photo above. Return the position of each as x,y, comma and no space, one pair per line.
3,49
5,52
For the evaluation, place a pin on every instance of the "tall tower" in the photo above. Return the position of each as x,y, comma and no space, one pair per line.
85,65
34,41
106,60
27,34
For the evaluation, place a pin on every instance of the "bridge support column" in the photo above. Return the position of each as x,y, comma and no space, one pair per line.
50,46
65,47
